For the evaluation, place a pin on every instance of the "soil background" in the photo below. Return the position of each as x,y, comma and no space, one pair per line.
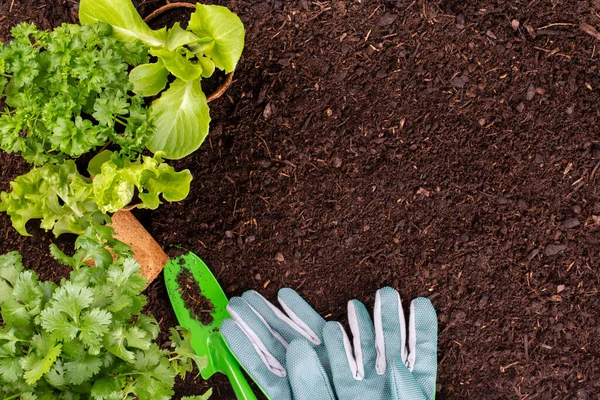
446,148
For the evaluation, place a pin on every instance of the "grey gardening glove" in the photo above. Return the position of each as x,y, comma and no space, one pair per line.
283,357
384,361
259,336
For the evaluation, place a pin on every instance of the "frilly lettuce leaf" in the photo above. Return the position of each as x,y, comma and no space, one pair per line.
55,193
67,201
115,186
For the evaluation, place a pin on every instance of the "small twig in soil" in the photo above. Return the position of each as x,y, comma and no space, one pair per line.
556,24
12,3
590,30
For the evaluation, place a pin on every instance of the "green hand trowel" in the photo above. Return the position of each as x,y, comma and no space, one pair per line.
206,339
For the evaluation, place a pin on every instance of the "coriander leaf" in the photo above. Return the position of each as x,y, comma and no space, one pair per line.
137,338
204,396
106,388
114,342
58,324
27,291
35,366
10,370
181,118
148,324
15,313
56,375
221,34
71,298
94,324
81,370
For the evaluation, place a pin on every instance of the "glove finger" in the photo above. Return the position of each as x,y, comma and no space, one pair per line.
422,344
302,314
273,385
402,384
339,350
277,320
306,375
363,337
390,327
267,342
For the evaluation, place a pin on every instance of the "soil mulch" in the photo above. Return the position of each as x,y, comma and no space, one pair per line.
446,148
201,308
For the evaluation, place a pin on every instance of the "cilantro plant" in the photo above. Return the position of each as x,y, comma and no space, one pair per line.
85,338
214,38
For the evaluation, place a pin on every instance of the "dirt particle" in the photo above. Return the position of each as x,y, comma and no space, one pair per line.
387,19
515,24
201,308
523,205
458,82
530,92
570,223
554,249
264,163
279,257
337,162
268,111
501,201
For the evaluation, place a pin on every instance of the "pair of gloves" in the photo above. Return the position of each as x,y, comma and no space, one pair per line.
294,354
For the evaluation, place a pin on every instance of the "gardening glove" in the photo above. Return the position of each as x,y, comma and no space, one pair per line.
382,363
259,336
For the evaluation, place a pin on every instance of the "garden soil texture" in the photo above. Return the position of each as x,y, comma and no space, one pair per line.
449,149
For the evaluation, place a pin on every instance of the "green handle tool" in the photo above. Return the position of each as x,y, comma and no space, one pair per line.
206,339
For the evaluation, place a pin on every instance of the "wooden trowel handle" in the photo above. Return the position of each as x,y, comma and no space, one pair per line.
145,249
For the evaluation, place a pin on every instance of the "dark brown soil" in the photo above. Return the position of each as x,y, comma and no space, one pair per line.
200,307
447,148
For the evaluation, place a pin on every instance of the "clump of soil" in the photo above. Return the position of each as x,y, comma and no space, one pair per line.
201,308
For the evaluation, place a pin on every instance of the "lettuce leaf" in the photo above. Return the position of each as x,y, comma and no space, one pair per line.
55,193
181,118
221,35
128,25
115,186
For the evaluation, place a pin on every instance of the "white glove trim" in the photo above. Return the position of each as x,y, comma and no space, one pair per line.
267,358
300,326
359,370
412,340
380,365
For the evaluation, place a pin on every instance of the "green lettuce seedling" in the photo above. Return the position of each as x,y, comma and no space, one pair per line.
214,38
